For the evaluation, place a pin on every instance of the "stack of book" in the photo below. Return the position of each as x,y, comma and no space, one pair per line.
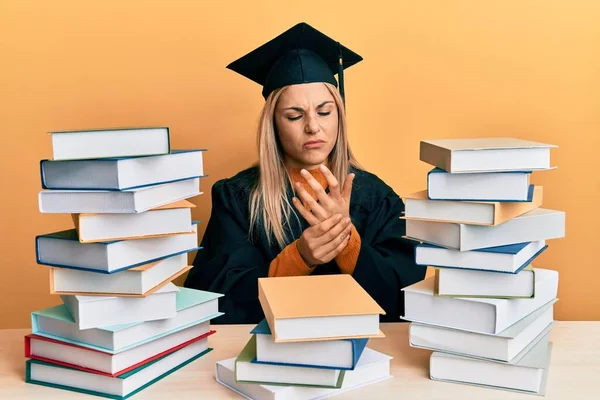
122,324
312,342
487,313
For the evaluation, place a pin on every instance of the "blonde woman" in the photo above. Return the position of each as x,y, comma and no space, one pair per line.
306,207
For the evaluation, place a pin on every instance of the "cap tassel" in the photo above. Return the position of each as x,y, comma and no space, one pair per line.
341,73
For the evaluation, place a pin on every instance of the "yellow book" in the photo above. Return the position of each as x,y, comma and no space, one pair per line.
318,307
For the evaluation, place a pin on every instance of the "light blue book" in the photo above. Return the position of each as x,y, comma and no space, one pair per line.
63,249
193,307
506,186
341,354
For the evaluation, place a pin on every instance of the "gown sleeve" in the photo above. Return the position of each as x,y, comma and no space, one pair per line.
386,261
229,263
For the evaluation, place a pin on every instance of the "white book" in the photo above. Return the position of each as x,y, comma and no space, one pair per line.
486,154
97,311
528,374
248,371
508,259
110,201
418,206
372,367
481,315
139,281
102,143
492,186
165,220
467,283
47,374
504,346
45,349
63,249
193,307
121,173
538,224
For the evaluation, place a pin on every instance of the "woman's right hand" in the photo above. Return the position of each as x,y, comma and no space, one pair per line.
321,243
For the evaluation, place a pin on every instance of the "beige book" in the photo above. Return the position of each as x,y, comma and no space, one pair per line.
319,307
486,154
490,213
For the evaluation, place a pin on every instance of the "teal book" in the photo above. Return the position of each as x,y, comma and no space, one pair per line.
193,307
119,387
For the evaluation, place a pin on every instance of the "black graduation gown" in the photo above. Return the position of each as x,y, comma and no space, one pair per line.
230,264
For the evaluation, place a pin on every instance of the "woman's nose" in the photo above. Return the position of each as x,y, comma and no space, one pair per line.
312,125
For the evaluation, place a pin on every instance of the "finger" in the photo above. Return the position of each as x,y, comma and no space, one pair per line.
337,250
307,215
325,226
347,190
332,182
311,204
324,199
333,244
334,232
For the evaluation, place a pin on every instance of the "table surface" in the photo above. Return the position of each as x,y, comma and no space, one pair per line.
574,369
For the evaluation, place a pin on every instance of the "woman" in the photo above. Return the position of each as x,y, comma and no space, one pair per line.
307,207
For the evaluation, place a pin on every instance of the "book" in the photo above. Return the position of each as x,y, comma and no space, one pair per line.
538,224
489,213
373,367
486,154
492,186
120,387
481,315
103,363
527,374
247,371
194,307
504,346
122,173
96,311
103,143
63,249
165,220
123,201
508,259
337,354
466,283
140,281
337,308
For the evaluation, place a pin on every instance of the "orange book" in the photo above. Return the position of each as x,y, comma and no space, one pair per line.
318,307
490,213
170,219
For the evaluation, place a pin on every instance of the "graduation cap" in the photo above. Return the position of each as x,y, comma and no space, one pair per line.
301,54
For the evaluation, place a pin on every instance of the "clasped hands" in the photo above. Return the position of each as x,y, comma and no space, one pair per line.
328,217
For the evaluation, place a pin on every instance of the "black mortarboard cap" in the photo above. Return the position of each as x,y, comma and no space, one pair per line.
301,54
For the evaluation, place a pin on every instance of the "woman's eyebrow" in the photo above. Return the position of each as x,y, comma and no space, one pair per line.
300,109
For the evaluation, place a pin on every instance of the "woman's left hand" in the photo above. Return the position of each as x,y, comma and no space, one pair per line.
327,204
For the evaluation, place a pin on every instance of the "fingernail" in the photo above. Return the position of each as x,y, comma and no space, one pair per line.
303,171
347,220
323,168
338,217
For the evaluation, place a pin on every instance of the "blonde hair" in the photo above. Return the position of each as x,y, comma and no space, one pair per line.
270,208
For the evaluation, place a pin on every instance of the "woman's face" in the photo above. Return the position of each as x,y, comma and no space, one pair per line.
306,118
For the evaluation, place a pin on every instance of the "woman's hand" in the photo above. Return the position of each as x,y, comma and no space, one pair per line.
322,242
335,202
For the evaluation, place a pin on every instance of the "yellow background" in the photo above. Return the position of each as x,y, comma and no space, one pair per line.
432,69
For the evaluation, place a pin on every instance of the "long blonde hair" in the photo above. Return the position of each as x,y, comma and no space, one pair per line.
270,208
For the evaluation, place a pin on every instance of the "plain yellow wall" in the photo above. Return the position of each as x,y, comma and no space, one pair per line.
432,69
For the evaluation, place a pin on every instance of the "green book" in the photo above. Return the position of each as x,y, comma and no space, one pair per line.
247,370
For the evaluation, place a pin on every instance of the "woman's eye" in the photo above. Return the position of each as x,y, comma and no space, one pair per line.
325,113
294,118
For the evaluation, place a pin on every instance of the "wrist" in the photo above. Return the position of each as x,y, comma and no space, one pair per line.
306,261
